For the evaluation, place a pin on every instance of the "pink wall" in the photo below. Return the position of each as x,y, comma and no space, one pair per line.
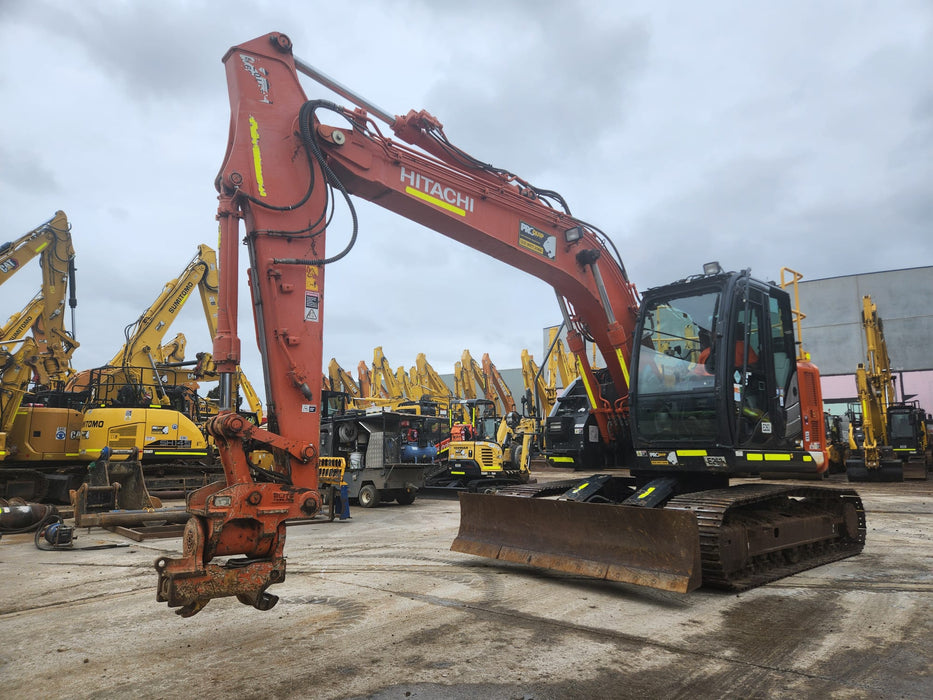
842,386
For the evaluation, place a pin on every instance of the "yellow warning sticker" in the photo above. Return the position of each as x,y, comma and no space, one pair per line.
311,273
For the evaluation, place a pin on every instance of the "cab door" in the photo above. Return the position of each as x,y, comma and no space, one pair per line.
762,370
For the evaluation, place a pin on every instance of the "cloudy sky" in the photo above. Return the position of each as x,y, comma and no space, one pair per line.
762,135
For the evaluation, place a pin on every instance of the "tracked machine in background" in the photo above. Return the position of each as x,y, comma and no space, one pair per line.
879,416
910,438
147,396
481,449
134,401
693,422
430,381
35,364
572,434
144,402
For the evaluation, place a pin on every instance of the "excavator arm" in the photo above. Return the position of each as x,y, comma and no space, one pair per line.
536,386
144,336
403,385
383,377
429,380
872,457
486,209
17,366
472,376
499,390
282,168
409,383
51,243
18,325
144,345
276,187
368,390
341,380
53,236
560,362
18,357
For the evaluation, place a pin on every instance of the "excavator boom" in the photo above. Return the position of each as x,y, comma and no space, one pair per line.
144,336
51,243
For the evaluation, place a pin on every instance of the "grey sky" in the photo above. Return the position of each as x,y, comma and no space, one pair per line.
763,135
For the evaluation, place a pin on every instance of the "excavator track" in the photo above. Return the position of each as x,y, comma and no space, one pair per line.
751,534
28,484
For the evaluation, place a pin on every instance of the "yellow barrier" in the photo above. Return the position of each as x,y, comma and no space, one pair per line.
330,470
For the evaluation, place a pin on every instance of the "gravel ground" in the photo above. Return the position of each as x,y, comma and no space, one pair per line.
379,607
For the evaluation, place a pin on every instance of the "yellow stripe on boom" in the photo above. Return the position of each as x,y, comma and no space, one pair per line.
434,200
257,156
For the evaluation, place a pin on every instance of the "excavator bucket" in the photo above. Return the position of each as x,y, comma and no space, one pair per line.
645,546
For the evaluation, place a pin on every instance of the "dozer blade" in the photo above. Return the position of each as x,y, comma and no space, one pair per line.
645,546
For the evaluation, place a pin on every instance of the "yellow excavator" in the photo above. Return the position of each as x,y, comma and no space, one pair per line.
134,402
871,457
35,366
145,399
483,451
51,243
383,381
879,420
538,394
341,380
19,353
430,381
146,396
471,375
561,362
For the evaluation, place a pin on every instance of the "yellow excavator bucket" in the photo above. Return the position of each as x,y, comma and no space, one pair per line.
645,546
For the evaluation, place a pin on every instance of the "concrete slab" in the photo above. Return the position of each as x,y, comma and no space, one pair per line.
379,607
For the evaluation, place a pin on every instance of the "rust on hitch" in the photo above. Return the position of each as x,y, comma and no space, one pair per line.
189,583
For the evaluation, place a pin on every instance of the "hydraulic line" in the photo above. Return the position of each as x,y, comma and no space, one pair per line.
311,144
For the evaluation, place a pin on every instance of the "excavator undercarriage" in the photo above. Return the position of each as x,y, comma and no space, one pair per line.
732,538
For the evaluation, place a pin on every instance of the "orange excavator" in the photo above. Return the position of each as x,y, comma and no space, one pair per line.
673,524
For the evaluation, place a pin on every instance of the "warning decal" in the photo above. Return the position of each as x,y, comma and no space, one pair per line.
311,278
312,306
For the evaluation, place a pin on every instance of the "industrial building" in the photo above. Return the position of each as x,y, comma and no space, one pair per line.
833,335
832,330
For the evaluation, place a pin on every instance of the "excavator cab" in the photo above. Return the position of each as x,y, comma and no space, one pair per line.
715,389
907,433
